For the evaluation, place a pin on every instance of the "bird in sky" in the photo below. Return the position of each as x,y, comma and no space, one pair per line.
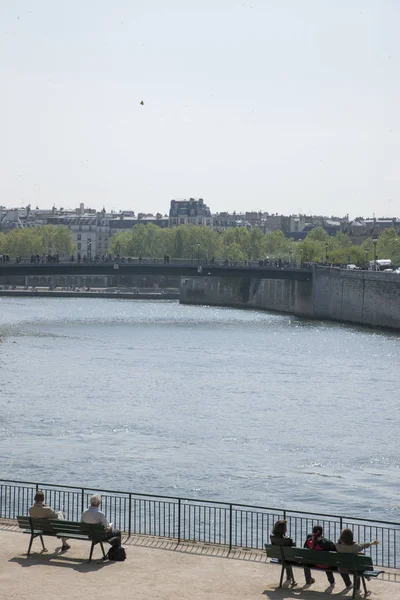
142,103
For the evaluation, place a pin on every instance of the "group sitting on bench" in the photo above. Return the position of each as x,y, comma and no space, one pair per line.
92,515
316,541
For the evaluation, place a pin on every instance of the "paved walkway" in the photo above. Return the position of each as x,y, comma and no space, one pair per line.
154,568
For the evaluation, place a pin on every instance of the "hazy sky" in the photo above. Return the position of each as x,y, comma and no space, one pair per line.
282,105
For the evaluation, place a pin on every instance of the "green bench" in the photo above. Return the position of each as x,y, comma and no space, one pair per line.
94,533
356,564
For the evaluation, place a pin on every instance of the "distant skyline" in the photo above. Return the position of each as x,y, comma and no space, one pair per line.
274,105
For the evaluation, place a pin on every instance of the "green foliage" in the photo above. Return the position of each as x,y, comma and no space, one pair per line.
47,239
318,234
238,244
276,245
388,245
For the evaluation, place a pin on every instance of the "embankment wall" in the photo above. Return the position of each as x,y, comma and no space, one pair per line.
281,295
362,297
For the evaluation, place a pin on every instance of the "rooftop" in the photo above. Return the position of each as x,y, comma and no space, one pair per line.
156,568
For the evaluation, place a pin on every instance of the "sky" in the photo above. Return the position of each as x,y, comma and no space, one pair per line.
285,106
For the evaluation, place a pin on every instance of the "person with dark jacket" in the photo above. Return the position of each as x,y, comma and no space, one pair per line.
316,541
278,538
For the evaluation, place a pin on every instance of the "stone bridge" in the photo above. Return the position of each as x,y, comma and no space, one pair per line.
153,268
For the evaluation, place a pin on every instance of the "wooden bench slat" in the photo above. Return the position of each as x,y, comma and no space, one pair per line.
305,556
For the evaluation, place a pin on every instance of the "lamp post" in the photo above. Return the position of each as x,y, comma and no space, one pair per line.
375,241
326,252
290,255
301,257
366,257
198,254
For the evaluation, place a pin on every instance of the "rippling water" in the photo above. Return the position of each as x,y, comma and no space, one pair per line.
202,402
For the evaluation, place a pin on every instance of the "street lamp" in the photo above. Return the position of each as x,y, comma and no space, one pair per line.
290,255
198,254
366,257
326,252
375,241
301,257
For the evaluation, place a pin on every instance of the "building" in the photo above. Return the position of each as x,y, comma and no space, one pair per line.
90,233
10,219
190,212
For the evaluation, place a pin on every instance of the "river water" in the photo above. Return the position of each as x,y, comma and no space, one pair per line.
200,402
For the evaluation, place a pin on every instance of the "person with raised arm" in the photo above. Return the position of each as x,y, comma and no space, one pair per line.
347,544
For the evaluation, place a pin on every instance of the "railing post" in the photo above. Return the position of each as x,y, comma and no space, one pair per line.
341,523
83,500
37,487
284,515
179,520
230,526
130,515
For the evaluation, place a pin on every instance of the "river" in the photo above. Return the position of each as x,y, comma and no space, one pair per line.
210,403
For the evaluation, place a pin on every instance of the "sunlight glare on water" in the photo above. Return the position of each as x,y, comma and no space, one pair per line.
200,402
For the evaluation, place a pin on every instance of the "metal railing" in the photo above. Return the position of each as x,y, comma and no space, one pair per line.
188,519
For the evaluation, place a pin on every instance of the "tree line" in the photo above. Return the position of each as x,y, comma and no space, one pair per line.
197,241
46,239
239,244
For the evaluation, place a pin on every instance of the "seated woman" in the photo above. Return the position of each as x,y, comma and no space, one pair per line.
316,541
347,544
278,538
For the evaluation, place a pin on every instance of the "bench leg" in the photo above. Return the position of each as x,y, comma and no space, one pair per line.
102,548
30,544
91,551
364,585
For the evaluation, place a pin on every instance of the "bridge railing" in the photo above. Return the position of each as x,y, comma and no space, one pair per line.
194,520
272,263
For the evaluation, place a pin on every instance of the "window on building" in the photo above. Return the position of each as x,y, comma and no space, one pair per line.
80,227
79,245
79,236
90,228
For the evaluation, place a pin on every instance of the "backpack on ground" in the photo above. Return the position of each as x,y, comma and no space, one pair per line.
116,553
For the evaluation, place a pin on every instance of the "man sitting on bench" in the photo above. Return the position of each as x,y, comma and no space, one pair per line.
94,515
40,510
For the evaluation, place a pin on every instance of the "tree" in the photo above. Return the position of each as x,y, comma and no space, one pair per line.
37,240
276,245
62,240
388,245
318,234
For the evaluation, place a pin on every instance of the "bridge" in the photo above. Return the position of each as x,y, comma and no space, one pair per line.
136,267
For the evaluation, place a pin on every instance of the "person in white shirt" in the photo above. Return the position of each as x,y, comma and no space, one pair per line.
93,514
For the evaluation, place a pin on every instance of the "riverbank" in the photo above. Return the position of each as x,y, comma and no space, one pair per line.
359,297
42,293
156,568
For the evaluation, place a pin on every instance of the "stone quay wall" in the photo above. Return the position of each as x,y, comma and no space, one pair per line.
365,297
294,297
360,297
